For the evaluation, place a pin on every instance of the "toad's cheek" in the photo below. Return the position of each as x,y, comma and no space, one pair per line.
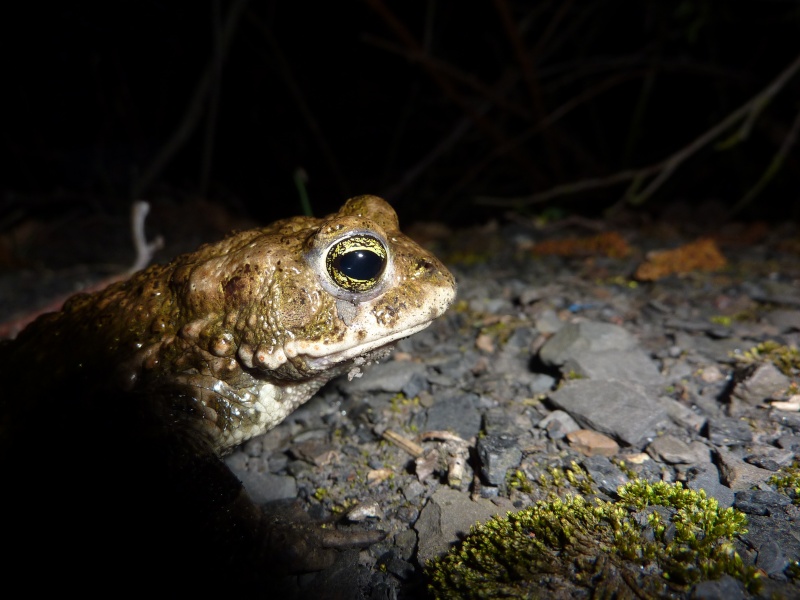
373,325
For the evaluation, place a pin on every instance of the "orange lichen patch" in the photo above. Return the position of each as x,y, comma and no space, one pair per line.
608,243
700,255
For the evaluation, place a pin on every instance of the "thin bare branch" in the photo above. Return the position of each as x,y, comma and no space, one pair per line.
664,169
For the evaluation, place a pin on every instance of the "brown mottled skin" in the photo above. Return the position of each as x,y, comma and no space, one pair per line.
116,409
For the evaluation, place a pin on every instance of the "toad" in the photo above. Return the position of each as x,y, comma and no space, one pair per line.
116,409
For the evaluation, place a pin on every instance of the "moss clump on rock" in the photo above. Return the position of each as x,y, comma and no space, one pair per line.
655,539
788,482
785,358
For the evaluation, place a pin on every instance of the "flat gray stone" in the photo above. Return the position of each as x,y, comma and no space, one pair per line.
724,588
446,518
706,477
784,319
672,450
558,424
760,502
633,365
764,382
682,414
591,336
605,474
727,431
620,409
737,474
384,377
771,558
458,414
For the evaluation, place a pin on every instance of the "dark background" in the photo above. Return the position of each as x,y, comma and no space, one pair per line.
94,92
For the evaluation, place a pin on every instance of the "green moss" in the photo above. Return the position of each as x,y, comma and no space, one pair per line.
723,320
656,539
518,480
785,358
623,466
788,482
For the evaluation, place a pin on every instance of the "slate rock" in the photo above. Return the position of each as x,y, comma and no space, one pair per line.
786,320
724,588
605,474
672,450
446,518
632,365
498,454
267,487
760,502
589,336
558,424
706,477
737,474
726,431
620,409
761,383
771,559
390,377
682,414
789,442
458,414
769,457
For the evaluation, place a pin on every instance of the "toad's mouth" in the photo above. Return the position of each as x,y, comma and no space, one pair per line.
330,359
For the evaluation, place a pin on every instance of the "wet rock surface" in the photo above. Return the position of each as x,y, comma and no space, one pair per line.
545,361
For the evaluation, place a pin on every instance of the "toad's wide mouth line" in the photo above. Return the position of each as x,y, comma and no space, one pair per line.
335,358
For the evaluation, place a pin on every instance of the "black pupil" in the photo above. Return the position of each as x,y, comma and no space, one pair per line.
361,265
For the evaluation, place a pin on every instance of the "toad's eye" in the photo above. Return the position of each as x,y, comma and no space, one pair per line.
356,263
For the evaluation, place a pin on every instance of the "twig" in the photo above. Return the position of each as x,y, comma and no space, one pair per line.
665,168
144,249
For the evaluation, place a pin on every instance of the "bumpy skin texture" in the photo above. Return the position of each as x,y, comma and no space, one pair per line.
115,410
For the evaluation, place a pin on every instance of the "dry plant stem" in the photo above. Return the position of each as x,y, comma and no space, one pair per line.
665,168
144,249
196,104
403,443
529,166
294,88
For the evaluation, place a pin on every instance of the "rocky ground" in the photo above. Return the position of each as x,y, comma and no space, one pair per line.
567,345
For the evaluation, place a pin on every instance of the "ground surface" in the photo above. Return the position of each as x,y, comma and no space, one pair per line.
653,363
